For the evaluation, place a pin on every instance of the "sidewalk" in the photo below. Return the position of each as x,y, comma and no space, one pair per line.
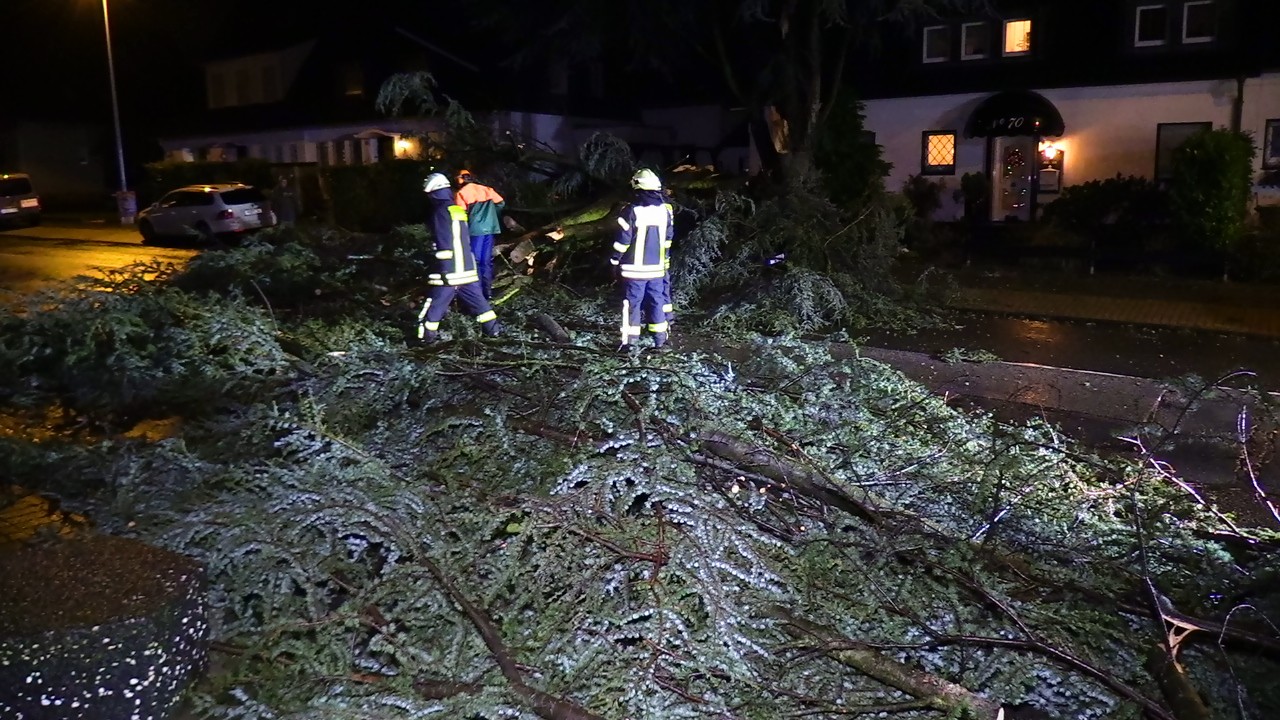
1197,304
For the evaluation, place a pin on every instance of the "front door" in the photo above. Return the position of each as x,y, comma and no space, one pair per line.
1013,163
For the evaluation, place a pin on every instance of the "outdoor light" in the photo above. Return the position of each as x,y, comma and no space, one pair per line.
1049,150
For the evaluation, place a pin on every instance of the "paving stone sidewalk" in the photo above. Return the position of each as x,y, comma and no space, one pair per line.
1241,317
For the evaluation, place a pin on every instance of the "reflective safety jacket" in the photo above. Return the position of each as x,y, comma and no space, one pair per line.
483,205
645,229
455,265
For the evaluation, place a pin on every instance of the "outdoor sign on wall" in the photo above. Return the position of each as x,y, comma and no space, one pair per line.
1014,125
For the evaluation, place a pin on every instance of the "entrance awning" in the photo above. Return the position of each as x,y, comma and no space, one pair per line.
1015,112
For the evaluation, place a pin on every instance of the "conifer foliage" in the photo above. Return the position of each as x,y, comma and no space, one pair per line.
756,528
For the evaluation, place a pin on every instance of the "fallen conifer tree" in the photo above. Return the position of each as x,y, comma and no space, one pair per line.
752,528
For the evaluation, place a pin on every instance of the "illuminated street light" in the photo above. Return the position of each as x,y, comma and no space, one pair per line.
126,202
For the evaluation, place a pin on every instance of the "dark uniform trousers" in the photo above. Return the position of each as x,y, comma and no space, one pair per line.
645,299
473,303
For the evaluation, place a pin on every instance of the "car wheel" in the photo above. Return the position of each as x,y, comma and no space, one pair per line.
148,232
204,232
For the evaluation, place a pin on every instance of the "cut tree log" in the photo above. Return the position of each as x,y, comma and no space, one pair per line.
98,627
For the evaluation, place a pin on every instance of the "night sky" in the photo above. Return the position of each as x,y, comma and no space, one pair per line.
53,53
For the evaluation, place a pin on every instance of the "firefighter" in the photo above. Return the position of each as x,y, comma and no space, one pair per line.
645,229
484,211
455,267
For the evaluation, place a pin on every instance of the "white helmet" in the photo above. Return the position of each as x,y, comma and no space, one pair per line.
434,182
645,180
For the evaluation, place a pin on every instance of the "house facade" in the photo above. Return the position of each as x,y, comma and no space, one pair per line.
1038,96
312,102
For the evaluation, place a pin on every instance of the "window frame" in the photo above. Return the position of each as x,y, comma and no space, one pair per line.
964,36
1138,42
1004,37
1199,39
1201,125
938,170
924,45
1270,142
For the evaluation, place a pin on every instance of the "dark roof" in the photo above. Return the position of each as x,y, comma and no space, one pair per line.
1077,43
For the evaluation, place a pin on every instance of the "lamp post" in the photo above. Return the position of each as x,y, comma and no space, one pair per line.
126,201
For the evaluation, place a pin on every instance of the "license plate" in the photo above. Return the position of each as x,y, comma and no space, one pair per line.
30,203
6,211
252,211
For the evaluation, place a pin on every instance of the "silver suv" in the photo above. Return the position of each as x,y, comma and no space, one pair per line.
206,212
19,202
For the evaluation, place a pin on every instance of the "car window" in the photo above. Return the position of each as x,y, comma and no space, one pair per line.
15,186
243,196
201,198
171,200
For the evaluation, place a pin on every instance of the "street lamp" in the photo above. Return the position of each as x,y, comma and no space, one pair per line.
126,202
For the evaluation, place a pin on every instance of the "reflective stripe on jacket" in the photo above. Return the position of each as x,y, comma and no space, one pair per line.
455,265
482,204
645,230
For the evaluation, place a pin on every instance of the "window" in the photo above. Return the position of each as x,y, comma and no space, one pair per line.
558,78
217,90
937,44
1169,137
975,40
1151,26
270,83
1271,146
244,87
938,153
1017,37
352,80
1199,21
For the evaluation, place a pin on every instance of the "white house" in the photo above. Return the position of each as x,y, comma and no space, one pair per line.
1044,95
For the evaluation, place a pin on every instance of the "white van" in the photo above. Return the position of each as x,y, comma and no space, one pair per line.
19,202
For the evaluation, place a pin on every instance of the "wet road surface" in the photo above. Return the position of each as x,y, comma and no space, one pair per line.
29,263
1140,351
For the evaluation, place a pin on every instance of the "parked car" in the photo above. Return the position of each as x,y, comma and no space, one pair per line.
206,212
19,203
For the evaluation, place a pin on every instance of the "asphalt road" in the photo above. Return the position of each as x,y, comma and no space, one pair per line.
31,258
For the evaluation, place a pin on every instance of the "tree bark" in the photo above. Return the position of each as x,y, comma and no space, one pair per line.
941,694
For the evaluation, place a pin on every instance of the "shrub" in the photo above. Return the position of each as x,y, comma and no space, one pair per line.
378,196
1129,204
1211,186
165,176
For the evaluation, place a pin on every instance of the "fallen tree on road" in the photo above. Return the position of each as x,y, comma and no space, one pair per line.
525,528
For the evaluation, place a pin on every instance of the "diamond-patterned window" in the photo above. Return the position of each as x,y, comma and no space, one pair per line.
938,154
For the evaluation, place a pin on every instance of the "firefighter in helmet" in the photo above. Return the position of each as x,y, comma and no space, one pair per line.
645,230
454,273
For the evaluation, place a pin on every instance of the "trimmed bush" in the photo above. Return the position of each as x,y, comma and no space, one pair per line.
100,627
379,196
165,176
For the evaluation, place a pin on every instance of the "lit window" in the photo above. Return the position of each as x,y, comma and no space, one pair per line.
352,80
1271,146
938,154
1017,37
1151,26
1169,137
975,41
937,44
1199,21
217,89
